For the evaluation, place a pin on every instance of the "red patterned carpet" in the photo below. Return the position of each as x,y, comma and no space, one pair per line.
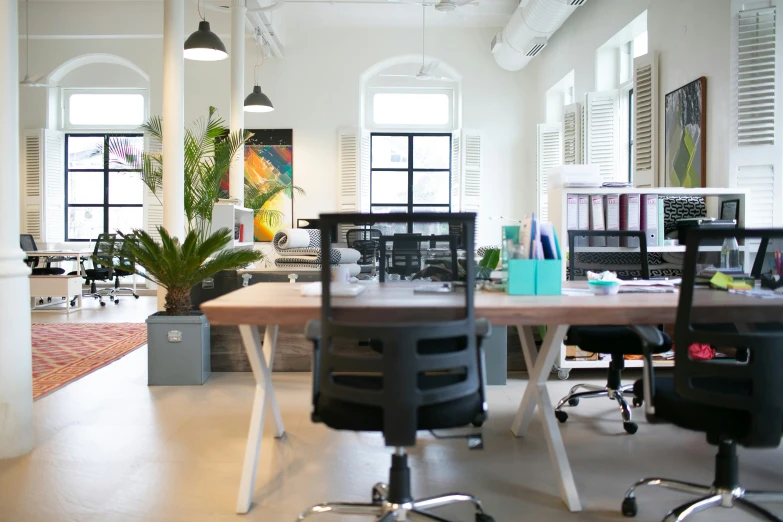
63,353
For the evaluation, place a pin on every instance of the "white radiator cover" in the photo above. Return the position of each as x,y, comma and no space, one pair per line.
532,19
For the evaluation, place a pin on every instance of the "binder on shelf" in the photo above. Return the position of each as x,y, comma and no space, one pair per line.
630,218
649,221
612,217
661,227
583,216
597,219
572,212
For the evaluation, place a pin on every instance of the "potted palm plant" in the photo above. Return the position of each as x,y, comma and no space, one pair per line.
179,338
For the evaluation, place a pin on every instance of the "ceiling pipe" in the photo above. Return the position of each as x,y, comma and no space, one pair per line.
534,22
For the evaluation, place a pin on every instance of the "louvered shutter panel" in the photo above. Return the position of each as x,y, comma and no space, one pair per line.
549,155
645,122
456,170
759,181
33,178
756,77
153,202
352,147
603,133
583,135
54,186
572,134
471,176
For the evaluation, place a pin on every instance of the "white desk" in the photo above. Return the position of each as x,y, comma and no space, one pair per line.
79,255
66,286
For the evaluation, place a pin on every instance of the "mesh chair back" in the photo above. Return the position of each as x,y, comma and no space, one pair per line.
755,385
406,254
403,355
124,262
104,252
27,244
627,265
362,234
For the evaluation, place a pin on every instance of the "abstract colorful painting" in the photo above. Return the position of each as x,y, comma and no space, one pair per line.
686,139
269,155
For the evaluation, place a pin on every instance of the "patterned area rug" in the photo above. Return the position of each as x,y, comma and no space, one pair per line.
63,353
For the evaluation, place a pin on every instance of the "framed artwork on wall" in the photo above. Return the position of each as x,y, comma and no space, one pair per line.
686,135
269,156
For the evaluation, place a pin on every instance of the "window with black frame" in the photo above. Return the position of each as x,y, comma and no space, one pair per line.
101,196
410,173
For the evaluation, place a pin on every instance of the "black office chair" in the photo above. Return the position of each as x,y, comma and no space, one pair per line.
731,401
413,376
366,241
406,255
102,267
27,244
616,341
124,266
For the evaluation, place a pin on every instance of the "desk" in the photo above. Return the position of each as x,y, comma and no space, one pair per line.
276,304
79,255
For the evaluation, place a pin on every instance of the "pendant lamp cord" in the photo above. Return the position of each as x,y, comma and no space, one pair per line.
423,30
198,6
263,58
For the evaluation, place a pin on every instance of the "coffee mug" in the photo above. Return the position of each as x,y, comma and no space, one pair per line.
341,274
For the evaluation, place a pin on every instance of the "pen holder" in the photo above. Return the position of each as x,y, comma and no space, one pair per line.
534,276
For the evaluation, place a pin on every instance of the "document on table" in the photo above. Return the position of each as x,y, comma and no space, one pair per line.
651,282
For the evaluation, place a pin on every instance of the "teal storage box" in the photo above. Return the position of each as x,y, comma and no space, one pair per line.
534,276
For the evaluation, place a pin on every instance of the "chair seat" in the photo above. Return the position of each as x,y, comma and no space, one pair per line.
343,415
618,340
713,420
98,273
48,271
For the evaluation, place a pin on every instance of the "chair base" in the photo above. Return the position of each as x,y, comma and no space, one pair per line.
593,391
723,493
393,503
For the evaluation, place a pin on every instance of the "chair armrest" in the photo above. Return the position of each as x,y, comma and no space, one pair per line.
651,338
313,330
483,328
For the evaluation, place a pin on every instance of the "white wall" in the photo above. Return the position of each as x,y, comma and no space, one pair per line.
692,39
315,90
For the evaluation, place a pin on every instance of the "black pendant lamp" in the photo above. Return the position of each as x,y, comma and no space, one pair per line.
257,101
204,45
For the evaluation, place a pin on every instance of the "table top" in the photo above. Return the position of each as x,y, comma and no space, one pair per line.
47,253
282,304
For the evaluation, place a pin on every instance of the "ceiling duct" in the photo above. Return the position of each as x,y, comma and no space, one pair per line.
526,34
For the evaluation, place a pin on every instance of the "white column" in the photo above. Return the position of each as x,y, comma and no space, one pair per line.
16,366
174,117
236,176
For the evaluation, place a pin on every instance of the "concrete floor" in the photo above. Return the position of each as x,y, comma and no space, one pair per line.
110,448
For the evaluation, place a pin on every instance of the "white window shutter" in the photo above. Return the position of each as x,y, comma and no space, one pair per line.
43,204
759,181
153,203
572,134
470,197
756,60
348,158
645,122
549,155
603,133
364,181
583,134
456,170
32,199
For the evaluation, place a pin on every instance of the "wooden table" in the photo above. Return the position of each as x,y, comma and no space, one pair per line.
275,304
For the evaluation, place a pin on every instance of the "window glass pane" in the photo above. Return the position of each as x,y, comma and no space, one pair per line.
431,152
390,152
85,152
125,219
85,188
428,229
105,109
125,151
389,229
389,187
431,187
411,109
640,45
126,188
85,222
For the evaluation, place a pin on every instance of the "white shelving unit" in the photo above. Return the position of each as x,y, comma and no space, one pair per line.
227,214
558,217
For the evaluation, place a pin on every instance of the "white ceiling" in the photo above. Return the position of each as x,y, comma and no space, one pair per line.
315,13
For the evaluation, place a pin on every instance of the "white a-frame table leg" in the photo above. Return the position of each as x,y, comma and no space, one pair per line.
261,363
537,393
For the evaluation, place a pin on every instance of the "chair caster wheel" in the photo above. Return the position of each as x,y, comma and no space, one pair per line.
483,517
629,507
563,374
73,304
40,301
116,301
637,403
378,493
630,427
48,299
573,402
103,304
561,416
135,296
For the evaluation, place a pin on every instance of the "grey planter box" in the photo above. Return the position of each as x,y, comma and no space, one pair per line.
179,350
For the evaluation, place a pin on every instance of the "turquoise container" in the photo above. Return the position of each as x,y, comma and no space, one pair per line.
534,276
